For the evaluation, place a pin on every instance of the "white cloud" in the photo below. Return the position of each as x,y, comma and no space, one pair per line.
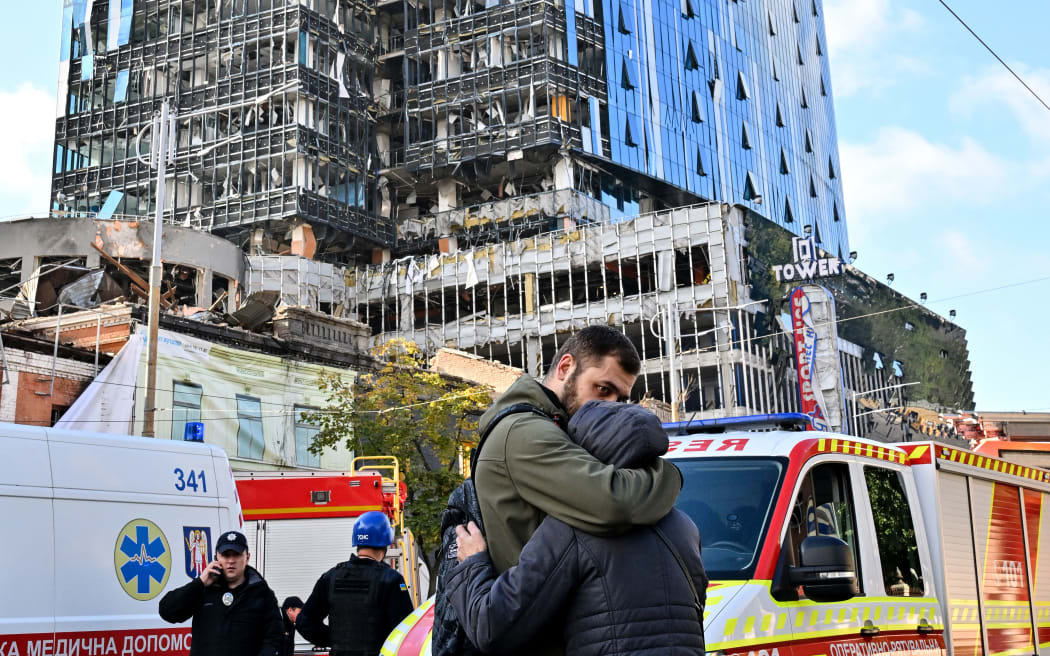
945,216
995,89
901,171
859,33
963,258
27,127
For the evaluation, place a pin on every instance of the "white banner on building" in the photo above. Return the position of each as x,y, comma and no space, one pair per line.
108,403
251,404
817,356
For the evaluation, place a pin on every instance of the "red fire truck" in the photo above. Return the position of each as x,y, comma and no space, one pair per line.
932,550
299,524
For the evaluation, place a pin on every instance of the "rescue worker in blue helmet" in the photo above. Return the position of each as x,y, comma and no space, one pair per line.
363,598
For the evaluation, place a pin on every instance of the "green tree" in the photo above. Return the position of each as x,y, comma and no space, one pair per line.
414,414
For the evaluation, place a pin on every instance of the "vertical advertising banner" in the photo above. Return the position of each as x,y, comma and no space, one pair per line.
815,336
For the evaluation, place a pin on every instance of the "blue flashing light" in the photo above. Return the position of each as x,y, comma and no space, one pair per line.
780,420
194,431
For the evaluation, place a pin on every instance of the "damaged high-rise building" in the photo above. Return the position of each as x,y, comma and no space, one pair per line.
404,126
633,106
275,120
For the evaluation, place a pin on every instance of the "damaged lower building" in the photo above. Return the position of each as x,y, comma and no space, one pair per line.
76,264
692,293
244,362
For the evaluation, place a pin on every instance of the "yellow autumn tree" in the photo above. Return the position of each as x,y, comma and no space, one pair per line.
408,411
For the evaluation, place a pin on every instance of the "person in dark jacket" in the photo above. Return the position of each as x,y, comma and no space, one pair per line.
363,598
290,609
624,595
233,609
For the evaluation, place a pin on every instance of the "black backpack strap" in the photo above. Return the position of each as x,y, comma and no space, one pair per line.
685,570
517,408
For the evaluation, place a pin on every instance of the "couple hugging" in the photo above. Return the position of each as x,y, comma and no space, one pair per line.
566,536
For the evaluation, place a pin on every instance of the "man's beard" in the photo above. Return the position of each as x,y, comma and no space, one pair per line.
570,397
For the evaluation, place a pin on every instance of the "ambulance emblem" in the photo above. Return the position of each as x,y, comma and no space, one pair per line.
196,541
142,559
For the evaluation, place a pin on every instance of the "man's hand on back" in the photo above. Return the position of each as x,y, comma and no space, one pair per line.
469,541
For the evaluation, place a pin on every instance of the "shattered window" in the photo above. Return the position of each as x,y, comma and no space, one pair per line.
304,437
249,427
185,407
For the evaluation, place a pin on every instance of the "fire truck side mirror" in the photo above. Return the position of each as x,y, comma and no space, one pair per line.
827,572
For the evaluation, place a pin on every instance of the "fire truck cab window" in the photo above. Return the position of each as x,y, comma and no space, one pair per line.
731,517
824,506
895,533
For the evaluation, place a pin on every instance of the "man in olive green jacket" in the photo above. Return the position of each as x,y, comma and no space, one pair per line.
529,468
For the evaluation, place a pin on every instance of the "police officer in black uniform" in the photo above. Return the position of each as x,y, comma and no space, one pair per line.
233,609
363,598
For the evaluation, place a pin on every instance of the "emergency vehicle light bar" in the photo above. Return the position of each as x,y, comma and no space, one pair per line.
776,421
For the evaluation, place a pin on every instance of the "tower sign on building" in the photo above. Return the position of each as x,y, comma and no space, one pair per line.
806,266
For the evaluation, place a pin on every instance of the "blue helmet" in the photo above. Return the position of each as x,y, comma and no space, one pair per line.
373,529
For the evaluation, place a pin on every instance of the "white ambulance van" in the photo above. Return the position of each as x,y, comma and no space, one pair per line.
96,529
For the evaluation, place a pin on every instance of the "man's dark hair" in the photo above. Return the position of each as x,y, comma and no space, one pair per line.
291,602
593,343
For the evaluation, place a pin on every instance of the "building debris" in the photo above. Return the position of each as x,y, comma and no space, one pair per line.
256,311
85,297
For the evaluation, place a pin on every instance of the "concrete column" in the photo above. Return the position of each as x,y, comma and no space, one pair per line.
449,64
303,176
383,146
406,313
441,138
727,373
564,176
534,356
495,52
304,112
233,295
29,265
448,199
205,278
448,194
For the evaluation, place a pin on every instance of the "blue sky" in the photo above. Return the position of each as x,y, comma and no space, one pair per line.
946,171
945,163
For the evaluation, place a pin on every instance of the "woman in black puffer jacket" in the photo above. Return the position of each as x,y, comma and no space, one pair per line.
619,596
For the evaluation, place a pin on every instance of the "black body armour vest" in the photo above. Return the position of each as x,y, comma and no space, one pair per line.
354,613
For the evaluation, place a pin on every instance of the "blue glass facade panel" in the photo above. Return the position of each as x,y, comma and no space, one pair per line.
731,101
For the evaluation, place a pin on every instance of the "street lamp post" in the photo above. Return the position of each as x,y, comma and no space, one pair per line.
855,395
156,271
